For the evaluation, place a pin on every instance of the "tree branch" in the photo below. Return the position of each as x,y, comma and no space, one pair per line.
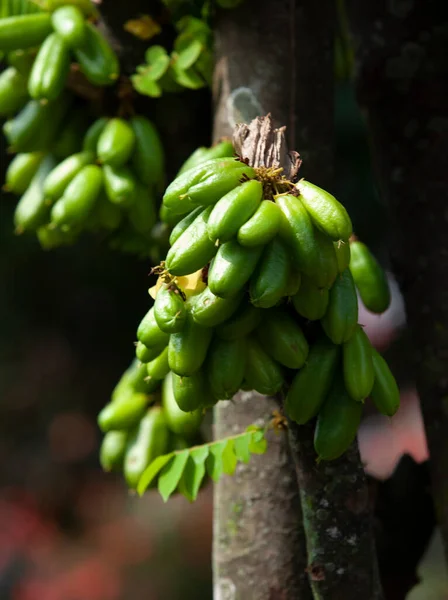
338,523
402,82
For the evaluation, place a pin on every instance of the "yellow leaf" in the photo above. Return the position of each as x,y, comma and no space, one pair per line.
143,28
190,285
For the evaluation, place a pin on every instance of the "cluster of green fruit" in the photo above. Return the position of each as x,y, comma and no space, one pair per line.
134,434
110,172
258,292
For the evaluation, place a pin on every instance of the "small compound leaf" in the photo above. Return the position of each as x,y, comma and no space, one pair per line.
171,474
195,471
241,447
152,471
215,466
200,453
258,443
188,78
229,460
146,86
154,53
189,55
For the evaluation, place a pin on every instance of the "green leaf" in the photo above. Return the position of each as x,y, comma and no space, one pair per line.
189,78
158,61
171,474
185,469
241,448
190,27
229,460
194,472
258,445
189,55
215,466
152,471
146,86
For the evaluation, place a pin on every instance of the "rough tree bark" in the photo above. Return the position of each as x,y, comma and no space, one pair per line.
402,83
281,62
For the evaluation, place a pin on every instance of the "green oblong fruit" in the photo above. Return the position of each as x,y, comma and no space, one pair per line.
232,268
70,139
21,171
97,60
327,213
337,423
13,92
24,31
149,333
143,214
188,348
85,6
385,393
294,282
177,195
184,223
120,184
116,143
226,367
342,250
22,131
93,134
51,237
311,302
262,374
283,339
169,309
79,197
370,279
312,383
148,441
341,318
50,69
210,310
179,421
232,210
32,211
123,412
37,124
105,215
215,185
269,282
112,450
69,23
243,322
358,365
135,379
193,249
172,218
148,156
262,227
145,354
158,368
57,181
200,155
191,393
312,250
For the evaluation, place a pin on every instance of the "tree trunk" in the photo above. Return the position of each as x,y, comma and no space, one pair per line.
282,62
402,82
